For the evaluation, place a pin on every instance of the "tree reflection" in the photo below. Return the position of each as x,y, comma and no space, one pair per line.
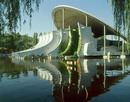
12,70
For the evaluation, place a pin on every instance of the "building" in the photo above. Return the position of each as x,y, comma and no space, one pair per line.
77,34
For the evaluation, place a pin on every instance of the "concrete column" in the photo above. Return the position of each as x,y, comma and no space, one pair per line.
123,56
123,66
123,47
86,17
63,19
104,81
104,40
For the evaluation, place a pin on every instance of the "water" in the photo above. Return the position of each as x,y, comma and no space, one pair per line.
82,80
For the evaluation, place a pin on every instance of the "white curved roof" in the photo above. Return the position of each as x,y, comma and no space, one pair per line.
73,15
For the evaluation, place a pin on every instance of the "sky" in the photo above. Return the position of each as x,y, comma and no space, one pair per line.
42,20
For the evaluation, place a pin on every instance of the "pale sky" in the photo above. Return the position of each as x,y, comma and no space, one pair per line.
42,20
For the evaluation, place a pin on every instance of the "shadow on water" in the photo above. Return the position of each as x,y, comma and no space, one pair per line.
73,80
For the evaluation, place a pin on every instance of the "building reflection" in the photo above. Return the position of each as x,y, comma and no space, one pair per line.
88,78
46,70
79,80
81,84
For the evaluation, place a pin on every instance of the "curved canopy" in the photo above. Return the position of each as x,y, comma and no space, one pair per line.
64,16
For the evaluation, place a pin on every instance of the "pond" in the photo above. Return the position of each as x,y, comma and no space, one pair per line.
76,80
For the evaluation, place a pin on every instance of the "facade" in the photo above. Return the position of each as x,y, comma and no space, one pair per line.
76,35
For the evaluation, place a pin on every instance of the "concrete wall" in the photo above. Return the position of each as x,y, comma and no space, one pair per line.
64,35
48,44
88,42
38,49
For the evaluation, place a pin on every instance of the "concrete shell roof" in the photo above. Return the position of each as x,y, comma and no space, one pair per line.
73,15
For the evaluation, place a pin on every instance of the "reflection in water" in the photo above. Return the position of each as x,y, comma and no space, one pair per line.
45,69
83,82
73,80
13,71
89,78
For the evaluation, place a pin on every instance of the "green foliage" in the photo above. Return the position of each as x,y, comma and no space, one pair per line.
72,48
35,36
68,46
127,46
74,42
62,46
15,42
24,42
79,46
121,11
11,12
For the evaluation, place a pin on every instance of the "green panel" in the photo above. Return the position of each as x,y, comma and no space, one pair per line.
79,45
62,47
73,46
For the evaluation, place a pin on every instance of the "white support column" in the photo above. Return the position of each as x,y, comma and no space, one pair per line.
104,40
123,66
86,17
104,81
123,56
63,19
123,47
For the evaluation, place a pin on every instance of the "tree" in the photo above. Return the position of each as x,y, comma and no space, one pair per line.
24,42
35,37
15,42
11,12
121,11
